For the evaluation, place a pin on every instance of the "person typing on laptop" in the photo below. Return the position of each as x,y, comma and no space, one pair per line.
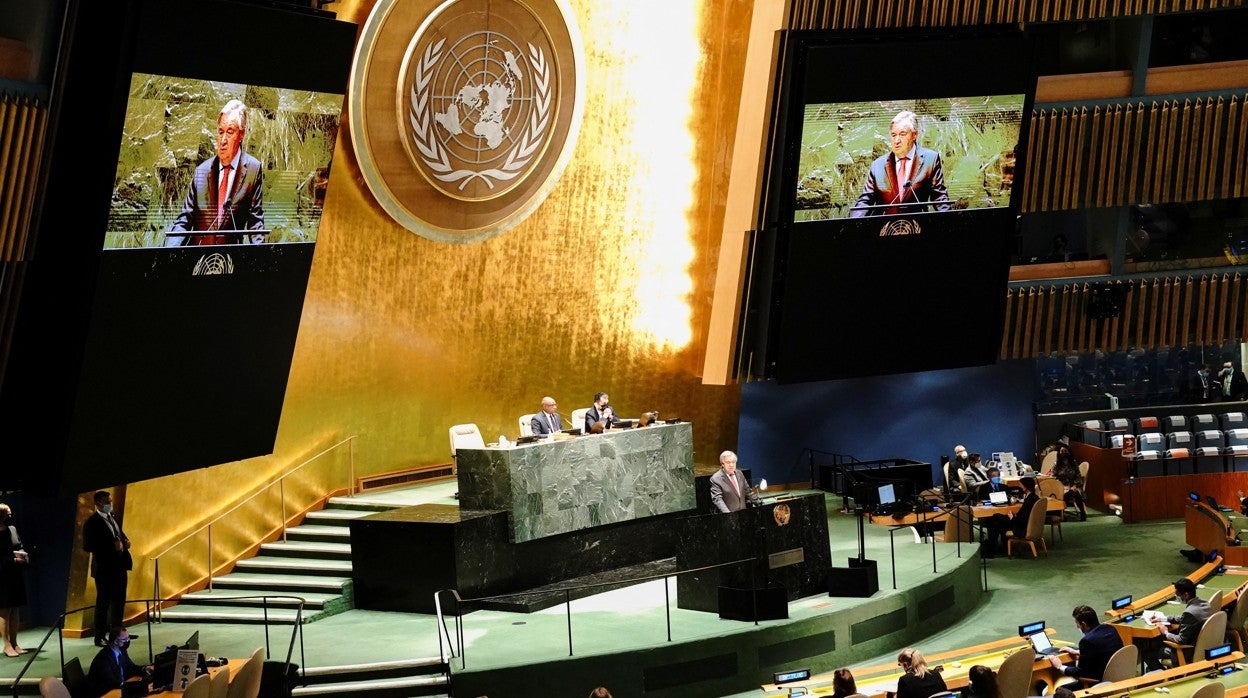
1096,646
994,484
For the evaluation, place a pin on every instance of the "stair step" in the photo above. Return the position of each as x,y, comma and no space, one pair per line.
405,683
283,583
242,597
282,565
336,517
307,549
230,614
363,502
311,532
373,670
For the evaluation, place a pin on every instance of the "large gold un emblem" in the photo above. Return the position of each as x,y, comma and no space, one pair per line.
464,113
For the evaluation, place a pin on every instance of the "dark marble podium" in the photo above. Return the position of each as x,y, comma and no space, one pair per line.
556,487
789,549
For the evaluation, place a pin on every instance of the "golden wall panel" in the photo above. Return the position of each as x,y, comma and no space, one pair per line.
607,286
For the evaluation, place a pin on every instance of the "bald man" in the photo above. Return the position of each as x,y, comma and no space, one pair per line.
548,420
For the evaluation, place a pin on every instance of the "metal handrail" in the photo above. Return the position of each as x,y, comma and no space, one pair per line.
450,652
59,626
280,481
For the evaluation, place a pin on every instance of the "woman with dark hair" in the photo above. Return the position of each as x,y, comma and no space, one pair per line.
843,683
983,683
1066,470
12,581
918,681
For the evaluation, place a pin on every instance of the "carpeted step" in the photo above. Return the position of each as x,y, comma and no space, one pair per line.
361,502
232,614
319,533
239,597
373,670
307,550
335,517
265,564
399,687
281,583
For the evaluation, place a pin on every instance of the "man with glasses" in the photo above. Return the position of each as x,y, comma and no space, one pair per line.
227,189
548,421
906,178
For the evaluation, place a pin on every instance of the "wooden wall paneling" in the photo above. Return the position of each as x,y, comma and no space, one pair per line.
1154,294
8,174
1049,336
1020,324
1208,153
1128,316
1196,175
1070,154
1199,332
1209,309
1236,310
1241,126
1231,144
1169,114
1184,315
1163,334
1183,138
1009,324
1079,157
1082,340
1036,146
1176,294
1222,317
21,183
1154,138
1141,315
1037,323
1115,324
1063,307
1111,148
1100,180
1135,139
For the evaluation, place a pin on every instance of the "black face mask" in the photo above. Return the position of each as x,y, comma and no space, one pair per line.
123,645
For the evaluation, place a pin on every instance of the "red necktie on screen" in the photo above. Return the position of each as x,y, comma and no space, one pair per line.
901,177
223,193
735,486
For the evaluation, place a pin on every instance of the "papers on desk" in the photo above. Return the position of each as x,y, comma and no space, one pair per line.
1150,616
877,687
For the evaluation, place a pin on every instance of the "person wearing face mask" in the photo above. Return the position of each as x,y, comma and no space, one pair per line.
1182,628
601,415
112,665
959,462
1066,470
1232,385
109,547
975,473
1202,386
12,581
994,484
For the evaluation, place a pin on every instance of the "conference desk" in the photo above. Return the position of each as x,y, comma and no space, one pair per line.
235,665
1208,581
880,681
552,487
943,515
1180,682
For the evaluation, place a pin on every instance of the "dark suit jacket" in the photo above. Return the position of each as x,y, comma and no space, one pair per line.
725,498
1018,524
1095,648
592,417
927,183
982,491
107,674
539,426
244,209
1239,384
97,539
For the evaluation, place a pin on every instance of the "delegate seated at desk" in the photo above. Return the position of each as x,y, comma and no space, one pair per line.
994,484
918,681
548,421
1096,646
112,665
998,524
729,490
1195,612
975,474
600,416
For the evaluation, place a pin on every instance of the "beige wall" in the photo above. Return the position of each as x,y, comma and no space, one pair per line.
606,287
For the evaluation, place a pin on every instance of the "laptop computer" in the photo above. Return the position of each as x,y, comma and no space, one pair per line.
998,499
1040,643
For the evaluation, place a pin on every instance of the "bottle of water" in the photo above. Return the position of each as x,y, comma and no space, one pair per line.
502,441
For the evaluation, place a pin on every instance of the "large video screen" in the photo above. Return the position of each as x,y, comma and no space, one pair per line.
206,162
894,187
190,158
908,156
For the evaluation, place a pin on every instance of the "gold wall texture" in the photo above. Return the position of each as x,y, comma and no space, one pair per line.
606,287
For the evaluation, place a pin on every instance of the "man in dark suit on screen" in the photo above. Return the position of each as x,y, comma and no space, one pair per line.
905,180
729,490
110,565
226,191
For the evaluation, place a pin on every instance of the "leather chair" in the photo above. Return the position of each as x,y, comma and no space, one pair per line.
1050,488
1236,447
1014,674
526,424
1180,448
578,418
465,436
1212,634
1033,535
52,687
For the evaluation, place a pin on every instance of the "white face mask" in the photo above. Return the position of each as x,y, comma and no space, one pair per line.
106,508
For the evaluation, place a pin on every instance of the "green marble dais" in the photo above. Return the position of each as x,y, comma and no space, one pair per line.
564,486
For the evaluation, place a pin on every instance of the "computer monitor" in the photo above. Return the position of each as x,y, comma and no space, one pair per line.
1193,496
192,642
1121,603
1030,628
887,495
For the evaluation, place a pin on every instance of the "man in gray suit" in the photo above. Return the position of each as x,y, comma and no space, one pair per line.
729,490
548,421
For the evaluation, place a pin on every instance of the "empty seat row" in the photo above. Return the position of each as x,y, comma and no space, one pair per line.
1097,431
1165,454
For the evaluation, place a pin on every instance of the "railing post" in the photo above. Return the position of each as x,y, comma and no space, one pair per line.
156,586
667,608
351,467
567,602
210,557
281,490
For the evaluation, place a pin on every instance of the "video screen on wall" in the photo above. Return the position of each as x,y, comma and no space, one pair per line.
212,169
895,185
206,162
906,156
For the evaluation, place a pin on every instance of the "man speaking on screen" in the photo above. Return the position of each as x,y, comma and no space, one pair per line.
227,190
906,179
